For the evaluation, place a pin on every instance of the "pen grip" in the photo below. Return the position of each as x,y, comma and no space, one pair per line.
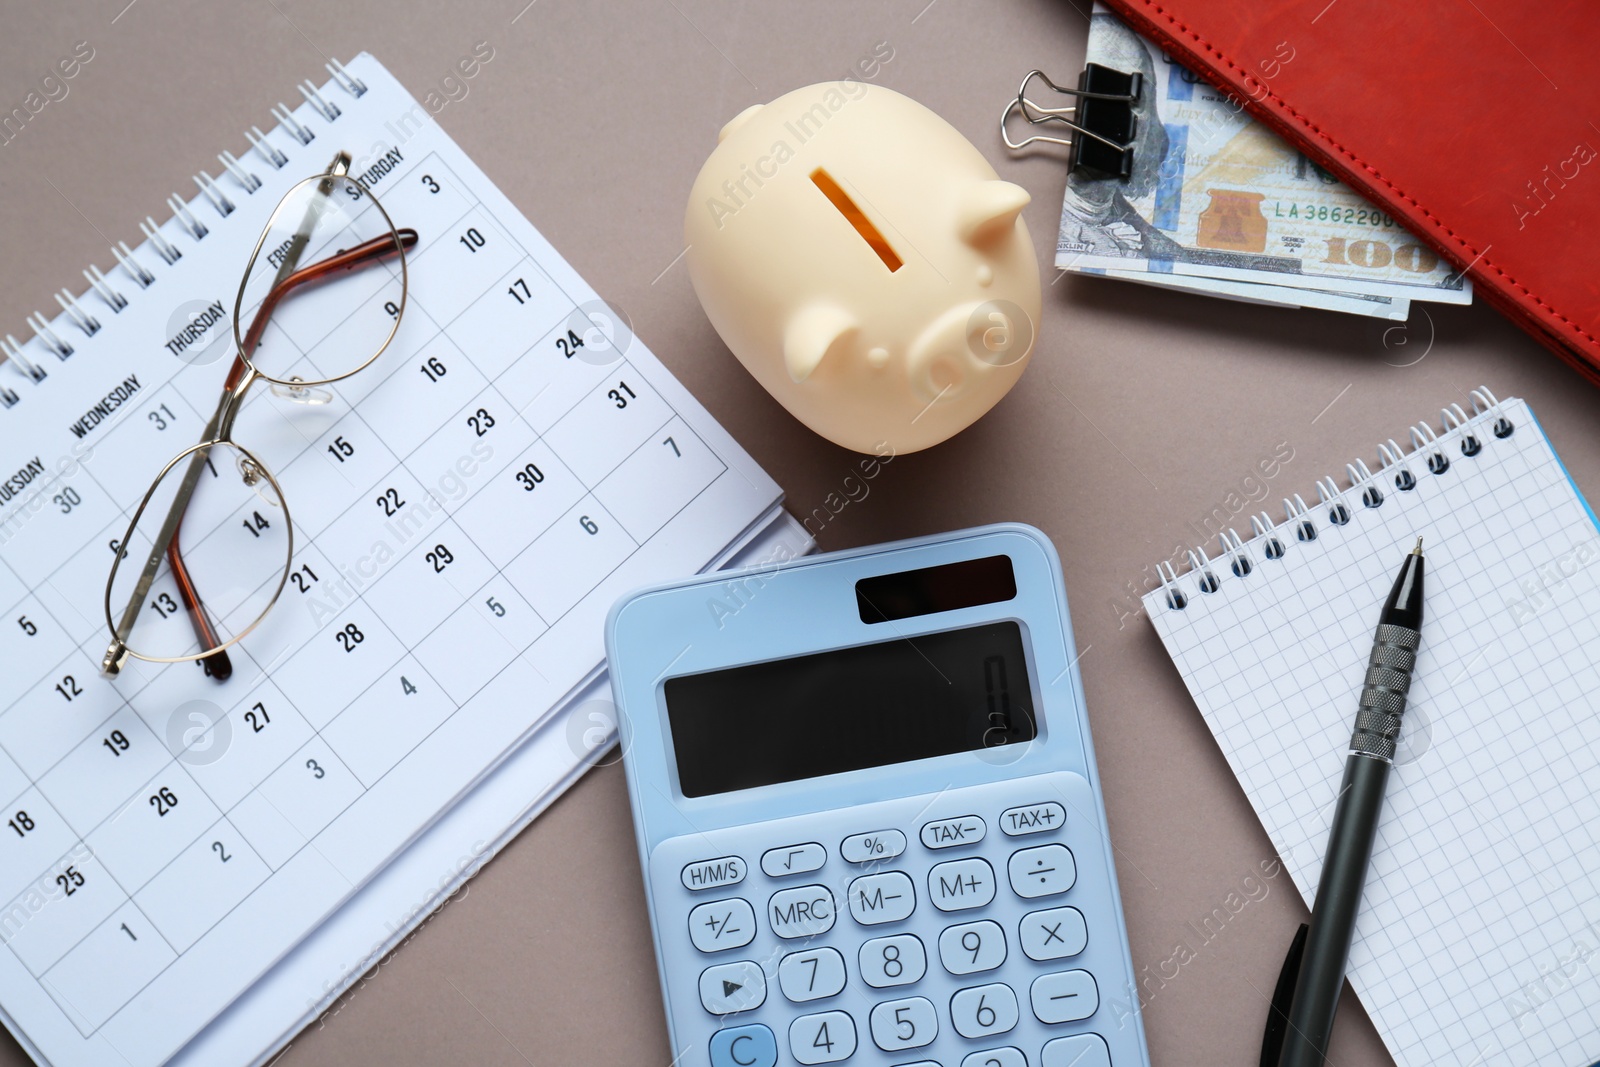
1333,915
1383,691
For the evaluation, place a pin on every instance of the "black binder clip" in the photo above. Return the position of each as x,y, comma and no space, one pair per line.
1103,119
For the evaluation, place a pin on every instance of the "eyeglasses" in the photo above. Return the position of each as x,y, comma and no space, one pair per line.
331,319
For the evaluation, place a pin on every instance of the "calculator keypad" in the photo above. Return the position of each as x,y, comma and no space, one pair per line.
941,959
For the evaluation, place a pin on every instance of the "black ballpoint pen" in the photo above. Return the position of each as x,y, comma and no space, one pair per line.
1300,1021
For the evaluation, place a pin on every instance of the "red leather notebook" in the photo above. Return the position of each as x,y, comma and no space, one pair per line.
1474,122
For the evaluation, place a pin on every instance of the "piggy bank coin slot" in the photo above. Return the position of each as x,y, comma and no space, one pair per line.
854,216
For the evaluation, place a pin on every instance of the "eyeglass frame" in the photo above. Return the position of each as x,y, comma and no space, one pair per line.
219,430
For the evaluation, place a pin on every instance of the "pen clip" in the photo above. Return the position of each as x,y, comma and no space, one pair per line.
1282,998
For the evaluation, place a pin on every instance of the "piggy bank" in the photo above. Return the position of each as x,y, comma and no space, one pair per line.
862,259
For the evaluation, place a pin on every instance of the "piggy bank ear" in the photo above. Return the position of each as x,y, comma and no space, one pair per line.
989,210
738,120
813,332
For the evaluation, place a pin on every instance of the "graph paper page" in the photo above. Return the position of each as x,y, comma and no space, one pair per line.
1479,936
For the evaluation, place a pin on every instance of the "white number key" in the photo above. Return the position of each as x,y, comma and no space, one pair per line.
892,961
972,947
984,1010
996,1057
721,924
812,975
881,898
900,1024
961,884
827,1037
1054,934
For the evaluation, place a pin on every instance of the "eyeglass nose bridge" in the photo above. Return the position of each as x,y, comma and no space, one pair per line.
232,401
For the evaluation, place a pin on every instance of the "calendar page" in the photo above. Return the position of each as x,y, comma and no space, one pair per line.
464,513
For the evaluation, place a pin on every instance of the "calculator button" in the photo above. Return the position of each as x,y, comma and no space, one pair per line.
1043,871
1079,1050
802,912
1054,934
827,1037
1033,819
713,874
733,987
961,884
881,898
892,961
793,859
947,833
995,1057
811,975
972,947
744,1046
908,1023
878,845
1065,997
722,924
984,1010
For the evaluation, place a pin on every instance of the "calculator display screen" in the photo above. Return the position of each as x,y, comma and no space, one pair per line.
850,709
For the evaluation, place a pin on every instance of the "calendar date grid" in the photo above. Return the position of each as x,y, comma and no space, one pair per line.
681,437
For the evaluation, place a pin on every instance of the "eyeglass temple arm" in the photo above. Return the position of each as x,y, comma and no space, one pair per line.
218,664
359,256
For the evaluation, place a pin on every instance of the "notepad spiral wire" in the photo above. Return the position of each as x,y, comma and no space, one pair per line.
1458,431
49,333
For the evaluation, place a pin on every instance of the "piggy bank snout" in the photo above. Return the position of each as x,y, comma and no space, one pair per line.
967,343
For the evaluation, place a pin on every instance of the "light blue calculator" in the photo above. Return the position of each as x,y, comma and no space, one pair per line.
868,812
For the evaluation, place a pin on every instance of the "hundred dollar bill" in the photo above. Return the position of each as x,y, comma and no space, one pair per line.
1393,308
1216,195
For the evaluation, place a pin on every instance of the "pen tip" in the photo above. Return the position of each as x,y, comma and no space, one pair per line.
1418,550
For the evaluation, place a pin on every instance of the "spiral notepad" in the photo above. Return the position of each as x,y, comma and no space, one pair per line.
1479,936
181,855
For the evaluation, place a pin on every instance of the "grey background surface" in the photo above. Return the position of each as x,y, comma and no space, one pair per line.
1140,411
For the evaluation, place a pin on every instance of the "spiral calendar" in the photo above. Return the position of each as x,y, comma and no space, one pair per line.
466,510
1480,921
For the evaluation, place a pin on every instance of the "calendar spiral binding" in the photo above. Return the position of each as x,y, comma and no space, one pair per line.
1273,541
54,335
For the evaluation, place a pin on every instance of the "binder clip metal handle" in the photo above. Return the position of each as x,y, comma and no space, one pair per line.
1103,119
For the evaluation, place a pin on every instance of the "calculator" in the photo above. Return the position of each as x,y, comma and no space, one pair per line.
868,813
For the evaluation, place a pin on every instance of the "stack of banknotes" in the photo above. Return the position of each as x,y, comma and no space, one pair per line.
1218,204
